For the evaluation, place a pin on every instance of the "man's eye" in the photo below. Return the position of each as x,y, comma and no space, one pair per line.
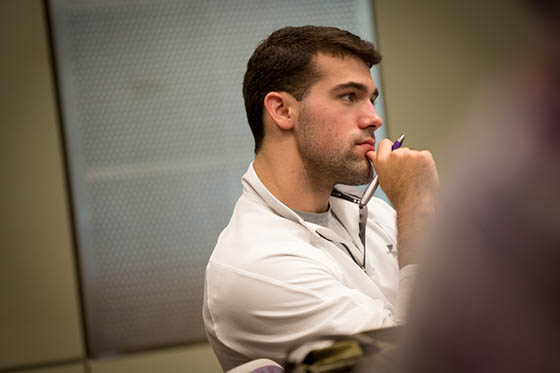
350,97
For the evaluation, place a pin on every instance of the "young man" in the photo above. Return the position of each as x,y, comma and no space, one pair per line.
292,263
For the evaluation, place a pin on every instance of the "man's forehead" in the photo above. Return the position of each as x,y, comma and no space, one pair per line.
337,71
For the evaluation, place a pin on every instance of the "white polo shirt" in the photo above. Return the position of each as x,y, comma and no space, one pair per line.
274,280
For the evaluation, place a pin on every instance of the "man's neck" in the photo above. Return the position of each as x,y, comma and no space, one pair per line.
287,180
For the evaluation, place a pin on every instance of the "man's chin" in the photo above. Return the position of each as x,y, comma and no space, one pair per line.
366,173
355,178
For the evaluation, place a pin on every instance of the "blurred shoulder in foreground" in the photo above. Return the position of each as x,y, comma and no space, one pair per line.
489,296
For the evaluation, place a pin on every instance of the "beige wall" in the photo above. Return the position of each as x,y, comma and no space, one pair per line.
435,53
39,317
194,358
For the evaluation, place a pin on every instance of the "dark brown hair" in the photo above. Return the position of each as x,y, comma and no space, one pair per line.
283,62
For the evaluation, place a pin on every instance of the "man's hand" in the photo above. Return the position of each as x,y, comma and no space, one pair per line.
405,174
410,180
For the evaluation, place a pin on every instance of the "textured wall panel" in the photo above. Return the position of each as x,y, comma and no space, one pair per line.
157,141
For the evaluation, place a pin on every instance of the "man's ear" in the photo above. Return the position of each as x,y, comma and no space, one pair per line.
281,108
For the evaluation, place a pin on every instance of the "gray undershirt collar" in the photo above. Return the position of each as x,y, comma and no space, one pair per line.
327,219
321,218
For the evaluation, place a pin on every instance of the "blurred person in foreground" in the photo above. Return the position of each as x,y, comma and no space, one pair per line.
488,298
298,259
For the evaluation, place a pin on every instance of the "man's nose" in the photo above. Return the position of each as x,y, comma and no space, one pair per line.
370,117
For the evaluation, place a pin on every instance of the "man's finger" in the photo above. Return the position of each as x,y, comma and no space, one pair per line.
384,149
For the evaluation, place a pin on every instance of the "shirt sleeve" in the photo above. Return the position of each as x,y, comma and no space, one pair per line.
261,316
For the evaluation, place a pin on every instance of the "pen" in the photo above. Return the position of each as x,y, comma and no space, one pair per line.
370,189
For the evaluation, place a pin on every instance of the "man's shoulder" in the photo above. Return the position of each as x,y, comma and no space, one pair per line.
264,246
254,226
252,216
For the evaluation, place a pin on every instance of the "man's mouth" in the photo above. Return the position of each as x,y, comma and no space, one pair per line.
368,144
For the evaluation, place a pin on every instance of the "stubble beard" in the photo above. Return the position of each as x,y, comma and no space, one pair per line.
332,163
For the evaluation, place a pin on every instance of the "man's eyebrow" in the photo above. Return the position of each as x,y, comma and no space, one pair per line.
355,85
